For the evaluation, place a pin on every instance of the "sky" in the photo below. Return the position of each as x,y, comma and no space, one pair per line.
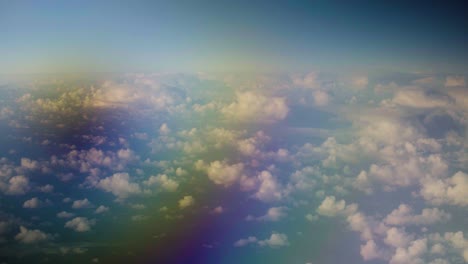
245,36
233,132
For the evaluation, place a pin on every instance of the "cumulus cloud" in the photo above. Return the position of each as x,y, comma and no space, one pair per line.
78,204
186,202
404,215
31,236
164,181
269,189
273,214
447,191
32,203
276,240
119,184
18,185
65,214
80,224
252,106
331,207
101,209
220,172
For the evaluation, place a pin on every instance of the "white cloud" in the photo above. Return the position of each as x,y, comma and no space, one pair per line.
245,241
404,215
186,202
276,240
80,224
28,236
164,181
78,204
269,189
65,214
274,214
370,251
32,203
251,106
331,207
447,191
18,185
224,174
101,209
119,185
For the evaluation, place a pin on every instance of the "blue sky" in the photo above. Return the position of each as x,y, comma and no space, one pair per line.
242,36
233,132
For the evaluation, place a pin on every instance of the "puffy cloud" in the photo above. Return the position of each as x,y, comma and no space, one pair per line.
224,174
65,214
404,215
32,203
417,98
370,251
331,207
276,240
412,254
29,164
18,185
119,184
28,236
447,191
245,241
164,181
101,209
186,202
78,204
397,237
273,214
269,189
46,188
309,80
252,106
80,224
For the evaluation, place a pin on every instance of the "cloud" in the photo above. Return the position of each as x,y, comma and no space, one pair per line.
28,236
273,214
119,184
186,202
224,174
452,81
65,214
269,189
78,204
446,191
252,106
245,241
321,98
164,181
80,224
276,240
32,203
404,215
18,185
331,207
101,209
